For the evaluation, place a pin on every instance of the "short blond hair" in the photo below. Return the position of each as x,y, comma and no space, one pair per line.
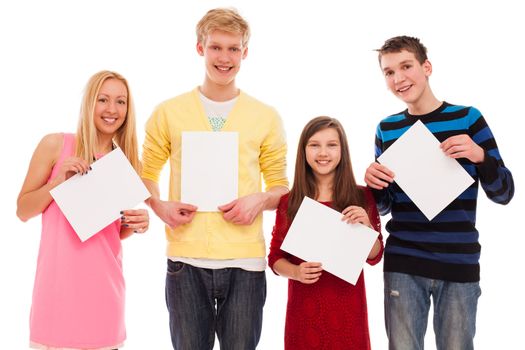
226,19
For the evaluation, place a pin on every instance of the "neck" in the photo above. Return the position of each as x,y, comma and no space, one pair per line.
219,93
425,104
104,144
324,188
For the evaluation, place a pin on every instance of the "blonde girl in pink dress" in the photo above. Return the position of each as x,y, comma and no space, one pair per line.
78,295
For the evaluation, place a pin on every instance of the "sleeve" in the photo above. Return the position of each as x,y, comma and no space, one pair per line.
495,179
157,145
272,158
279,233
382,198
373,215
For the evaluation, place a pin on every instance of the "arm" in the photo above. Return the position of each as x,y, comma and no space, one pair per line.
155,153
480,148
34,196
354,214
378,178
172,213
306,272
272,161
244,210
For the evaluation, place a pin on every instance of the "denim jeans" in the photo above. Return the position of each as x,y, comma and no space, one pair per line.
202,302
407,302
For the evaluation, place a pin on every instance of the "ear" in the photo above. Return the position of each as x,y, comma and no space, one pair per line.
245,53
427,68
200,49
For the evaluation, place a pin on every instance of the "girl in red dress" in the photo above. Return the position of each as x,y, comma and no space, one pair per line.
324,311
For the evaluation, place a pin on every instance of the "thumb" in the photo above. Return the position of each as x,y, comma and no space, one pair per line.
186,206
228,206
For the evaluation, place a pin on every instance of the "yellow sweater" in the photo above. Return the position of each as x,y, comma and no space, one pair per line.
262,150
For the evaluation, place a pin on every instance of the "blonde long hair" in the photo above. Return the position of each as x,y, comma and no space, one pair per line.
86,138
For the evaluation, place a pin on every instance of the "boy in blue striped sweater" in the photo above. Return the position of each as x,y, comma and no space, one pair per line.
436,259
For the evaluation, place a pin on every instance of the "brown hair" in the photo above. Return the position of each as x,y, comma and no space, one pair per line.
125,137
226,19
345,190
403,42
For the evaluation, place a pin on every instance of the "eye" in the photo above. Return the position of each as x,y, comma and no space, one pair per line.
407,66
121,102
102,99
389,73
333,145
234,49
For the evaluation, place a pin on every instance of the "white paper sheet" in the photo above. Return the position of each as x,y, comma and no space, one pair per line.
318,234
430,178
91,202
209,170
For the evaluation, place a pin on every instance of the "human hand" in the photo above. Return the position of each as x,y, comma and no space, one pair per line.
69,167
378,176
308,272
135,219
354,214
244,210
173,213
462,146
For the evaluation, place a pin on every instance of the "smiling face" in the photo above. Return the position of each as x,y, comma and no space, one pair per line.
223,53
323,153
111,106
406,78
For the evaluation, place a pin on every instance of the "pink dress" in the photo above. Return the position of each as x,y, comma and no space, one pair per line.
78,296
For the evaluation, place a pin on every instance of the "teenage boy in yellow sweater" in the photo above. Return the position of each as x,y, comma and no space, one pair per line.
215,279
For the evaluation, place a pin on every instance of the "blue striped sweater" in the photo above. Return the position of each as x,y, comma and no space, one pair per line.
446,247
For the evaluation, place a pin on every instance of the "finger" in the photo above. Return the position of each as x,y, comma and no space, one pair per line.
187,207
377,182
228,206
311,264
313,270
384,170
349,209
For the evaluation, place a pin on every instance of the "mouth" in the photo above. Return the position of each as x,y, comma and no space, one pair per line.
224,68
109,120
322,162
404,88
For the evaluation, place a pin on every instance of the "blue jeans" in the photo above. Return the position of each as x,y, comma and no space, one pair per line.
202,302
407,302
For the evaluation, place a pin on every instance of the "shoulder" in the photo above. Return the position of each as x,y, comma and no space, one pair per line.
50,146
394,117
52,142
179,100
468,113
256,104
392,121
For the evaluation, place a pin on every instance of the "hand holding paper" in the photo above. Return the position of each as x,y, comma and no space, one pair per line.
318,234
93,201
430,178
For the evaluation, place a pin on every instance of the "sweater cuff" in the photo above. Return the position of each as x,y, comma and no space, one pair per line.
488,169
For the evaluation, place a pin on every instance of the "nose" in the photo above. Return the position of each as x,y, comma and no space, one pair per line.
112,107
399,77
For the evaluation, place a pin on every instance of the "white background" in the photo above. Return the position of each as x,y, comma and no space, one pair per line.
306,59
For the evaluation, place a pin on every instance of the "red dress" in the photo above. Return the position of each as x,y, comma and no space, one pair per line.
331,313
